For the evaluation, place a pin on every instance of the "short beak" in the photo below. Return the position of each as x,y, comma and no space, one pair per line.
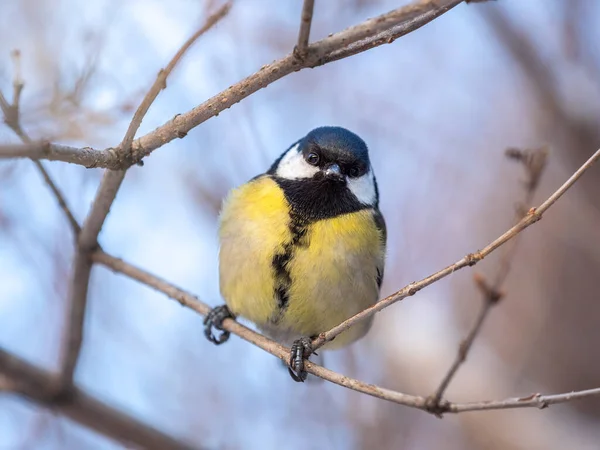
333,171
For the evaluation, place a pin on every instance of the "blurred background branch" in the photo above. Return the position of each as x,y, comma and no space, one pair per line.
33,383
534,162
12,119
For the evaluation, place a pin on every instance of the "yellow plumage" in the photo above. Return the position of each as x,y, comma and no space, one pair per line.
254,223
333,275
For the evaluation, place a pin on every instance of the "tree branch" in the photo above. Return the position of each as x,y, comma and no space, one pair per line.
105,196
383,29
533,215
531,401
86,156
32,382
534,162
304,32
418,15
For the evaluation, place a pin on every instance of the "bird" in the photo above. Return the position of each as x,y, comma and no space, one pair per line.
302,246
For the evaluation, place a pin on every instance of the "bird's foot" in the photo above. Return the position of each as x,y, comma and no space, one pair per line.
214,319
301,350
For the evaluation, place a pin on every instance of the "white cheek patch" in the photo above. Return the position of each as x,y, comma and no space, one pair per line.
293,166
363,188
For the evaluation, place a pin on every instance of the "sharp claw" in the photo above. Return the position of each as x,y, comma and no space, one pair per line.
301,350
294,376
214,319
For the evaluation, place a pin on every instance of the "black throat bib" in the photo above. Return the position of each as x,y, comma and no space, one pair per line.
319,197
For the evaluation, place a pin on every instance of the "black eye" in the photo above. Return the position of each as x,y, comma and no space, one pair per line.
354,171
312,158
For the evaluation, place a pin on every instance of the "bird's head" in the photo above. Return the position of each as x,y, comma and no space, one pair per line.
331,158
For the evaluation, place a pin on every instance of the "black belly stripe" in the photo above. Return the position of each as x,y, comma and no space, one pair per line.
311,200
281,260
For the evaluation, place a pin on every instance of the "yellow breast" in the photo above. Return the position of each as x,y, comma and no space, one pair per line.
333,273
254,225
335,276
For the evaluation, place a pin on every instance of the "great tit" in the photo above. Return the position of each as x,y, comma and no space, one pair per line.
302,246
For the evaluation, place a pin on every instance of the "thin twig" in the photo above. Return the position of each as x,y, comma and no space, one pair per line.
533,215
534,162
161,80
190,301
32,382
12,118
535,400
304,31
105,196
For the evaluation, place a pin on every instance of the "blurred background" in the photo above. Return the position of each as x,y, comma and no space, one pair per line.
437,109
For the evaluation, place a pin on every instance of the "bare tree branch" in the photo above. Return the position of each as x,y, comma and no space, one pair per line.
534,162
11,113
533,215
535,400
105,196
161,79
304,32
421,15
86,156
32,382
374,32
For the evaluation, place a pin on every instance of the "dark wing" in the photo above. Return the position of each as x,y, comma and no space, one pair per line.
380,224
